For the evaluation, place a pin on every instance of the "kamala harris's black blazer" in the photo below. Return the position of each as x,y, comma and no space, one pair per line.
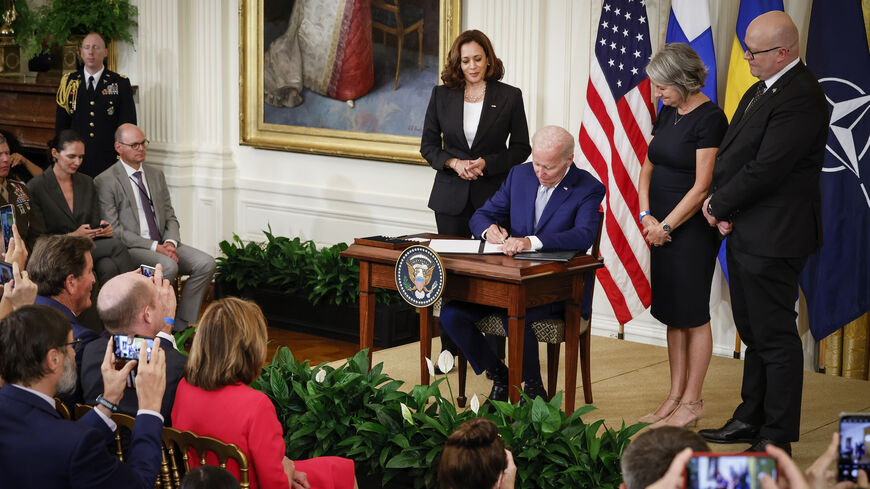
502,116
766,176
51,203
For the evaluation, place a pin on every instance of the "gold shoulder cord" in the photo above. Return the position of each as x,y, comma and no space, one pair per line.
66,94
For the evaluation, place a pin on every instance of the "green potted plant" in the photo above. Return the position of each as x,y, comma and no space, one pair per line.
303,288
58,22
395,438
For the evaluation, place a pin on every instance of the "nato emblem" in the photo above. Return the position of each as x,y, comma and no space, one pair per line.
419,276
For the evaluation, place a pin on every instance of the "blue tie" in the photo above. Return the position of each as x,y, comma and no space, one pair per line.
541,202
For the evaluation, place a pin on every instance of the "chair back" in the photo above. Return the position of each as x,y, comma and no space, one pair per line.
61,408
597,243
181,445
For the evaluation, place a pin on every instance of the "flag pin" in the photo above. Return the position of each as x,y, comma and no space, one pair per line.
493,106
565,188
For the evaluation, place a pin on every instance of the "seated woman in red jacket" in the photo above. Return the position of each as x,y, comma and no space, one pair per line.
213,399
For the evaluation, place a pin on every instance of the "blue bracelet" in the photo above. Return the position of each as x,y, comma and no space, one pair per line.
642,215
169,321
111,406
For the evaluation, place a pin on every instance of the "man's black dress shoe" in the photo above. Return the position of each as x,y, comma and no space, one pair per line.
535,389
499,391
734,431
499,375
760,443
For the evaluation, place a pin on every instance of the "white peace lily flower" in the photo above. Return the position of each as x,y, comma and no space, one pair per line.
445,361
431,367
475,404
406,413
320,376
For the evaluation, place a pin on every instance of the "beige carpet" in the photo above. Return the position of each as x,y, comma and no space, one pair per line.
630,379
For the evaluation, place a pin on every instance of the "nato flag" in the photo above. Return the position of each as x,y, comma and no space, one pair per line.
836,280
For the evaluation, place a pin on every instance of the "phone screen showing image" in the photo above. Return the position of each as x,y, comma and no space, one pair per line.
712,471
7,219
147,270
127,347
5,272
854,438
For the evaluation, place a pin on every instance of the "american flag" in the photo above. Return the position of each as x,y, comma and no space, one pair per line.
615,129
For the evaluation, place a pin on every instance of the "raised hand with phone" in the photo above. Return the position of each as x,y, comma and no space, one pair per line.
133,309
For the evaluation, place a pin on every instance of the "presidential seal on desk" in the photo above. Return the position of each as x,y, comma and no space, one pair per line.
419,276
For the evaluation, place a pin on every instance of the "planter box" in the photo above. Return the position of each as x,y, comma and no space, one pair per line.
395,324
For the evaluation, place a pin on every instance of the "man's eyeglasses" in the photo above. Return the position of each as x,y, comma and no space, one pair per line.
140,145
74,343
753,53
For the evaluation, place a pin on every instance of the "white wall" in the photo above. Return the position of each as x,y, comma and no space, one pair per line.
186,63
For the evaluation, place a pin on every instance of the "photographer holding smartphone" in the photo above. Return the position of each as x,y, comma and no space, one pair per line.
136,306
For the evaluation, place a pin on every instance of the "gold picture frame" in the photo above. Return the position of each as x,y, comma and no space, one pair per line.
254,131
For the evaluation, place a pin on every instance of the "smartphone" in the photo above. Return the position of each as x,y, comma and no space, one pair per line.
7,219
147,270
5,272
854,438
104,225
127,347
714,470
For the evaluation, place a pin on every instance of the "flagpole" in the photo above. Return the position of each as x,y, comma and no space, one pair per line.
621,334
737,346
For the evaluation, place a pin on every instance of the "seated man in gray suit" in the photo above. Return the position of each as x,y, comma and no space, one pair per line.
135,200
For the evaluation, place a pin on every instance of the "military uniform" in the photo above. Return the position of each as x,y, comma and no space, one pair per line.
95,119
27,217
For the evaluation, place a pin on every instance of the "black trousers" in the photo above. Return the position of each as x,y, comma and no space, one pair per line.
763,294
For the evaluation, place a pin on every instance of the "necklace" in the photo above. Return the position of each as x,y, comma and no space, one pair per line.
475,98
679,116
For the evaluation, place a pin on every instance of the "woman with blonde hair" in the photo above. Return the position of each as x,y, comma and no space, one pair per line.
213,399
674,181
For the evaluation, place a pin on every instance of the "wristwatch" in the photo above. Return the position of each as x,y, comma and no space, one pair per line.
710,208
666,228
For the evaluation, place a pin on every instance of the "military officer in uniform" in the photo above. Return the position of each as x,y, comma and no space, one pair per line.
94,102
28,219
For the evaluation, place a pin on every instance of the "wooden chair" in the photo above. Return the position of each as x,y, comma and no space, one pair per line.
61,408
554,333
389,17
124,421
178,447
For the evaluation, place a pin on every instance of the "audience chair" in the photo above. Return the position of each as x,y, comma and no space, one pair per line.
553,332
391,18
180,445
61,408
124,421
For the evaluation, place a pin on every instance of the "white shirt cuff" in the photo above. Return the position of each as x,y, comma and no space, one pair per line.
174,243
111,424
536,243
152,413
154,246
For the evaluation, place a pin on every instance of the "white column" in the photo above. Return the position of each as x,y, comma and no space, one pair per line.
158,67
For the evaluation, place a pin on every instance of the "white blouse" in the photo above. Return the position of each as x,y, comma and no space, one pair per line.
470,119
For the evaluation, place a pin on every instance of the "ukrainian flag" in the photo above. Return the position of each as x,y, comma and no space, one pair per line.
739,77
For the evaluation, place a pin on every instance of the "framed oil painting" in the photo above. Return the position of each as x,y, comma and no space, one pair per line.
342,77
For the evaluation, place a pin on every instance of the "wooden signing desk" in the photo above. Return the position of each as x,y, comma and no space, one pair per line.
494,280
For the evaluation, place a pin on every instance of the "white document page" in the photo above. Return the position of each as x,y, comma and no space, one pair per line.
463,246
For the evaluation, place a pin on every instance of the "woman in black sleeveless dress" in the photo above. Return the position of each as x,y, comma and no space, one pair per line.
673,183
